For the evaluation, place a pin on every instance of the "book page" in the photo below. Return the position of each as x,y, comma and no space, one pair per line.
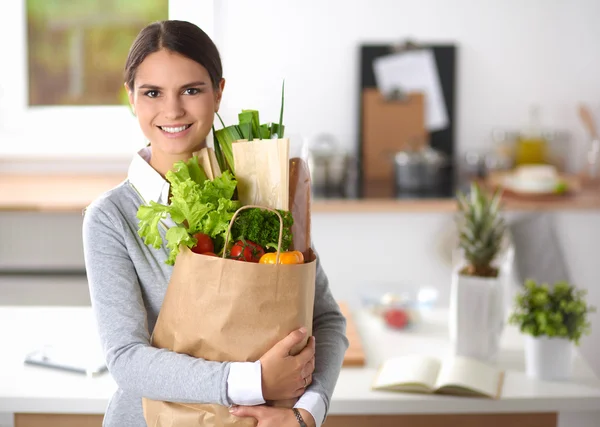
466,376
408,373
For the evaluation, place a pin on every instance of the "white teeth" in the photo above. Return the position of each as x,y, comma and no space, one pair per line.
174,130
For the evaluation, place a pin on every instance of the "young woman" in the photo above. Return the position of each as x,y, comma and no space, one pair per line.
174,79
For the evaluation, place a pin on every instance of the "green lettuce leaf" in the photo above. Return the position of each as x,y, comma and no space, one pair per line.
150,216
182,171
197,205
177,236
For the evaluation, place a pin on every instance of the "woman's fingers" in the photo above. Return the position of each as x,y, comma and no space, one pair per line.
309,368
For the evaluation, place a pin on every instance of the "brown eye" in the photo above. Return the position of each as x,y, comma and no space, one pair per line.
151,93
192,91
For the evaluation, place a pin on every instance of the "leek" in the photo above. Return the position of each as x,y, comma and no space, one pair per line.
280,127
218,151
248,128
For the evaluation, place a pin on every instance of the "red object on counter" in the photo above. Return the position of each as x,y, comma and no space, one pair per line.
396,318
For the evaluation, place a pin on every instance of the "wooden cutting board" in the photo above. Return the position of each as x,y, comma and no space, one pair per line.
355,355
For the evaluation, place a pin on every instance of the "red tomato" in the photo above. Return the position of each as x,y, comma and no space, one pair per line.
246,251
396,318
209,253
205,244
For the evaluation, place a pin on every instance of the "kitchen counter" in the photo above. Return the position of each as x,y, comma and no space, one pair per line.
29,391
73,192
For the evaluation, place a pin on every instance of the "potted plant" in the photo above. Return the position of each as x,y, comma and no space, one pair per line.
477,291
553,321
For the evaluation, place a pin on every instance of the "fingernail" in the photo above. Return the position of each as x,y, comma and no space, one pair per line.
232,409
303,329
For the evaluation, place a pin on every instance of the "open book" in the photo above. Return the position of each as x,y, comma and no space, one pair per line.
457,376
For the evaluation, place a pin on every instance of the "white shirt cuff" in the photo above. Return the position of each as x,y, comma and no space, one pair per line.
244,383
312,402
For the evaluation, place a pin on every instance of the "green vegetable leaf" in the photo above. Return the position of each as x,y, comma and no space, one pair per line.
262,227
196,205
187,206
246,131
150,216
265,131
177,236
280,127
251,117
183,171
226,137
219,152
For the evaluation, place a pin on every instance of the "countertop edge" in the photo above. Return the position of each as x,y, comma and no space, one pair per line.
392,406
71,193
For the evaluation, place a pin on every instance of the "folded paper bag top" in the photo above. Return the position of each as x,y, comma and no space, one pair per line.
227,310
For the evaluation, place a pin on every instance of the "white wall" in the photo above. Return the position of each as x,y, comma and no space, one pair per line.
511,53
361,253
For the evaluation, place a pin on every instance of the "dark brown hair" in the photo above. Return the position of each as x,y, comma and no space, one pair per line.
182,37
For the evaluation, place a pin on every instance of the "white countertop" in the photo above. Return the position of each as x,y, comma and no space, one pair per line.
32,389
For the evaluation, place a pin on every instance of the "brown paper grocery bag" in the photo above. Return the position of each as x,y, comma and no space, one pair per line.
262,172
227,310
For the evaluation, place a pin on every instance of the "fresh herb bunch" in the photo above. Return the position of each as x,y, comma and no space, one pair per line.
558,312
262,227
481,229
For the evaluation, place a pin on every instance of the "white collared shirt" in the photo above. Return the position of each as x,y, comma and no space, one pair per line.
244,383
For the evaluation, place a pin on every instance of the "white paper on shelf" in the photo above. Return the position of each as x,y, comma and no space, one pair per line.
414,71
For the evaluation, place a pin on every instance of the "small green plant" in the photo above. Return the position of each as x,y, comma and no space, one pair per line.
481,229
560,311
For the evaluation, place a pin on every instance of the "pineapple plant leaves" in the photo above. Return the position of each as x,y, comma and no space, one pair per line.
481,229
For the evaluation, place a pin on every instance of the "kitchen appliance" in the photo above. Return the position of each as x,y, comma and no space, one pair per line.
420,170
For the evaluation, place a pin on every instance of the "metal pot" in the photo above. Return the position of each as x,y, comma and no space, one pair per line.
329,167
420,170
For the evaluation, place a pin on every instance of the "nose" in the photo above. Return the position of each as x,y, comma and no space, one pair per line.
173,108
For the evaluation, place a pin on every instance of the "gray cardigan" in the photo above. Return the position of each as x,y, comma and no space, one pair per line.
128,281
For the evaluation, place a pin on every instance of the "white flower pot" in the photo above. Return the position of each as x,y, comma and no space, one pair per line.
548,358
477,316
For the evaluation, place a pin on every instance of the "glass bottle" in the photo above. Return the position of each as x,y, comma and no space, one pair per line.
531,145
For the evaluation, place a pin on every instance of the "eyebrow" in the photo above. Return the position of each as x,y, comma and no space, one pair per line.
154,87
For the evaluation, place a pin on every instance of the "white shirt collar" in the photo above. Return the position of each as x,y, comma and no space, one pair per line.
149,183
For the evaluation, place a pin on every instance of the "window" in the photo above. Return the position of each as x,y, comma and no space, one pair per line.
34,121
76,50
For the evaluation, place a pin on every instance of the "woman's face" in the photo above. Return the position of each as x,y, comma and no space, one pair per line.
175,102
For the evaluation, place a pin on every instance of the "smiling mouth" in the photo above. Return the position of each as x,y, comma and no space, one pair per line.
174,129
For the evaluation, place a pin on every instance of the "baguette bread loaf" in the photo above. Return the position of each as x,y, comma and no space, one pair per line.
299,206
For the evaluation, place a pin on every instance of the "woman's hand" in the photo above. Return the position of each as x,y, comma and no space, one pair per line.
268,416
284,376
